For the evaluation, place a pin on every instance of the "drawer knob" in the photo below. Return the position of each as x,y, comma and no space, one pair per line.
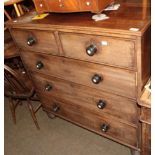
101,104
61,5
104,127
39,65
88,3
96,79
30,41
91,50
48,87
56,108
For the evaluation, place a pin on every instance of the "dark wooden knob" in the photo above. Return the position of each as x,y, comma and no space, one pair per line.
31,41
101,104
91,50
39,65
96,79
56,108
48,87
104,127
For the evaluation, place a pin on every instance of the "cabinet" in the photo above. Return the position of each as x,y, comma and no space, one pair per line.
90,73
95,6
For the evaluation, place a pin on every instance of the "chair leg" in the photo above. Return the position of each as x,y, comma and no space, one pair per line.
12,108
30,106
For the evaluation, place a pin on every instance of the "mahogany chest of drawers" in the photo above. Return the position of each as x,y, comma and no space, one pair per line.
95,6
90,73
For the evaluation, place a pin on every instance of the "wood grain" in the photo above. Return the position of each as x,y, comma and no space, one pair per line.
109,49
124,66
118,24
74,113
114,80
118,107
71,5
45,40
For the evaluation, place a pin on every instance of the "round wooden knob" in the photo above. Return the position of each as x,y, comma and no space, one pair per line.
104,127
101,104
96,79
48,87
30,41
91,50
39,65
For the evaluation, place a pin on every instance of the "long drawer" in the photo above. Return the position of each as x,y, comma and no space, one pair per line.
97,102
104,126
36,40
109,79
100,49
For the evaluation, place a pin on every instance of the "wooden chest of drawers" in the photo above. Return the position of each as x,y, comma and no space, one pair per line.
89,73
95,6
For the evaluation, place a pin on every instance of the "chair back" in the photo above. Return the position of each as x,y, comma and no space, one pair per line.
13,83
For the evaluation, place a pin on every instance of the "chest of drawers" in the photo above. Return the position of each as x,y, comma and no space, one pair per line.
89,73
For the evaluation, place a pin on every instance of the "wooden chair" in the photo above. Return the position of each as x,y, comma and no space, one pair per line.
17,6
16,89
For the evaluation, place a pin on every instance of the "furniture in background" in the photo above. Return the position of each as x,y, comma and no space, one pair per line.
17,89
95,6
11,51
90,73
17,6
145,118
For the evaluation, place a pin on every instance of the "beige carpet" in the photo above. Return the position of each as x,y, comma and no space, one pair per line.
56,137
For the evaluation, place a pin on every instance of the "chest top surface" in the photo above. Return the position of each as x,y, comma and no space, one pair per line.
120,21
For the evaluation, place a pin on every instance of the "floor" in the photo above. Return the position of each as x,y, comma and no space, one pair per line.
56,137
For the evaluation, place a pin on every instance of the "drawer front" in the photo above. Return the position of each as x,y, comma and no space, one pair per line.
114,130
36,40
63,5
97,102
104,50
100,77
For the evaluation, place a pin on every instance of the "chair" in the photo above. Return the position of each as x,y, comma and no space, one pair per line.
17,89
17,7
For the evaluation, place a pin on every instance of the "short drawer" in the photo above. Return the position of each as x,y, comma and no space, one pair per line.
97,102
64,6
99,49
36,40
104,126
108,79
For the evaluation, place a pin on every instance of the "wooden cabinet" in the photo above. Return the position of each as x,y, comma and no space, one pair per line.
90,73
71,5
